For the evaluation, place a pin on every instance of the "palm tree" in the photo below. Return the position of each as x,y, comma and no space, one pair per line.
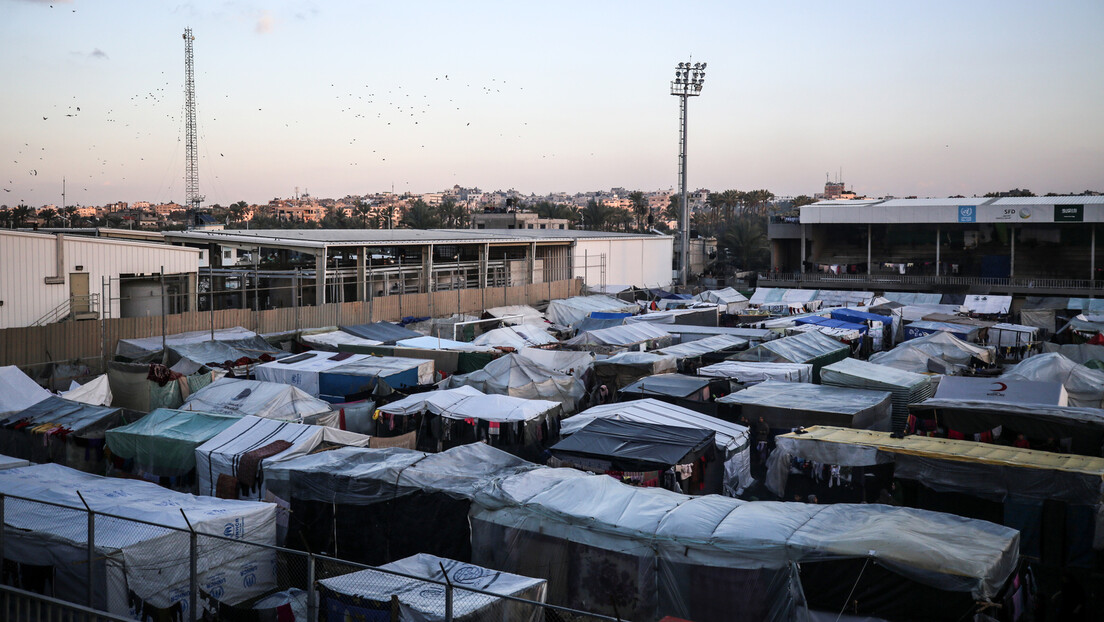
363,210
596,215
640,208
20,215
237,210
454,215
419,215
47,216
745,239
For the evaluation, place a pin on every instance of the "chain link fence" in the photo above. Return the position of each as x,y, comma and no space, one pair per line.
126,568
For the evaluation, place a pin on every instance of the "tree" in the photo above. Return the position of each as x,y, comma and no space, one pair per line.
640,209
1015,192
548,209
20,215
757,200
673,211
453,215
596,216
237,210
419,215
47,216
745,241
5,216
363,211
803,200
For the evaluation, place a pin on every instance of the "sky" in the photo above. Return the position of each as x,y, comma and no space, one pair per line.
922,98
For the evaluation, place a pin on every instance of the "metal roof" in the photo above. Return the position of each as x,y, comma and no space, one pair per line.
320,238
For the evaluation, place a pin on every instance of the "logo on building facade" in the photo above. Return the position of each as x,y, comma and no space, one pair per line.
967,213
1069,213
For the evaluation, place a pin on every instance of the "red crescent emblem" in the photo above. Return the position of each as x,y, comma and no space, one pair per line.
1000,386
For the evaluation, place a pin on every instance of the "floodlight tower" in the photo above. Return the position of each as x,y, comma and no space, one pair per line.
688,82
191,158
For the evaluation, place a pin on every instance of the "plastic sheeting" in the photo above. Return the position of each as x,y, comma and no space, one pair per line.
569,311
622,336
749,373
96,392
671,385
804,348
653,444
708,345
149,562
1079,353
729,299
520,377
906,387
332,340
1039,318
351,594
222,454
163,442
1085,386
769,295
516,337
499,408
269,400
383,332
303,370
843,298
18,391
356,376
236,337
785,405
731,439
1013,336
987,304
703,315
528,314
944,345
921,327
418,402
625,368
438,343
907,358
914,312
755,336
564,361
913,298
60,430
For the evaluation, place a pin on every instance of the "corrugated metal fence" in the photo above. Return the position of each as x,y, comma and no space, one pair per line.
93,341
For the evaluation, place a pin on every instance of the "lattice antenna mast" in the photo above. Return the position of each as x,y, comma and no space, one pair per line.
191,157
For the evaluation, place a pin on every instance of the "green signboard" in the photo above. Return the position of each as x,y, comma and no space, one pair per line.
1069,213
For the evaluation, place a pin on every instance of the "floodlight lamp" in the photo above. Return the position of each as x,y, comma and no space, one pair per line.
703,66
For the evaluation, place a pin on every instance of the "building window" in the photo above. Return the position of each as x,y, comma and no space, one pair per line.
479,226
542,226
227,254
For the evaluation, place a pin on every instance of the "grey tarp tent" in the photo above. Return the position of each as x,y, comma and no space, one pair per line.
570,311
1084,385
813,348
521,377
623,369
270,400
18,391
62,431
787,405
906,387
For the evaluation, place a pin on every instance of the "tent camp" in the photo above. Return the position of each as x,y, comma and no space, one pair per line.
692,392
96,392
18,391
214,346
715,345
748,373
623,369
375,506
906,387
569,311
714,558
732,441
233,396
385,333
303,370
520,377
915,360
785,405
516,337
232,463
139,569
132,387
372,592
813,348
998,483
987,304
730,300
644,454
1084,385
162,444
62,431
642,336
332,338
1082,353
528,315
944,345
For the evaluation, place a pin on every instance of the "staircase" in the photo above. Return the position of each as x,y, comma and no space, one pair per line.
72,308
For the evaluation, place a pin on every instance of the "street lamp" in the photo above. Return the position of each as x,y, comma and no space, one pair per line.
688,82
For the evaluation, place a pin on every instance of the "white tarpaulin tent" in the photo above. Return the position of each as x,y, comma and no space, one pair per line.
7,462
753,373
96,392
351,594
785,405
986,304
242,450
234,396
906,387
1006,390
944,345
731,439
729,299
571,311
438,343
17,390
528,314
563,361
624,336
520,377
516,337
236,337
907,358
1084,385
143,561
333,338
708,345
417,403
303,370
917,312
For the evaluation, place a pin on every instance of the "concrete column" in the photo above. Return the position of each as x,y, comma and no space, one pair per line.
869,246
320,277
1012,257
193,292
484,254
937,251
427,268
362,285
532,263
802,248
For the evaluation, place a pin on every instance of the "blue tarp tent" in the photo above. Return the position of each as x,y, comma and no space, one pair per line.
962,331
820,320
848,314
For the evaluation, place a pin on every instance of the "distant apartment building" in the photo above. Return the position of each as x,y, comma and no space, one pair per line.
835,190
515,220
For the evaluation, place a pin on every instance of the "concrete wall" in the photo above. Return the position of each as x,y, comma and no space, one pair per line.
643,262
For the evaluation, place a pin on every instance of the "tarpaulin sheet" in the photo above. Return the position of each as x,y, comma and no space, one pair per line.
1039,318
143,561
1012,335
786,405
843,298
1079,353
233,396
383,332
987,304
18,391
920,328
355,376
1009,390
766,295
568,311
516,337
237,337
303,370
623,336
913,298
671,385
352,594
729,299
1085,386
163,442
438,343
804,348
944,345
499,408
563,361
520,377
716,343
637,441
748,373
907,358
333,340
96,392
528,314
417,403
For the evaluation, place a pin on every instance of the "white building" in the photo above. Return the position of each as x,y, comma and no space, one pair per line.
46,277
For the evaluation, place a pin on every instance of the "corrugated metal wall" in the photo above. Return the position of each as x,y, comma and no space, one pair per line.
26,259
88,341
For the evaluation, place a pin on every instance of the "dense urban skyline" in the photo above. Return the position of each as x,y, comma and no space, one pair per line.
930,100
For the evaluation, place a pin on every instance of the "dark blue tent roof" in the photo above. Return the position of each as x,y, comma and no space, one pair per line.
631,440
385,332
830,323
854,315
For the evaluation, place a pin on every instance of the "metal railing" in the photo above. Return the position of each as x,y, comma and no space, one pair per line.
1029,282
88,304
201,591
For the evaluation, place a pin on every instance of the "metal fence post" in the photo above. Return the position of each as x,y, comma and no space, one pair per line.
91,573
2,532
448,593
193,563
312,597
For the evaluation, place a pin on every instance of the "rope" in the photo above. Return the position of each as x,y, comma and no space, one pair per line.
853,587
